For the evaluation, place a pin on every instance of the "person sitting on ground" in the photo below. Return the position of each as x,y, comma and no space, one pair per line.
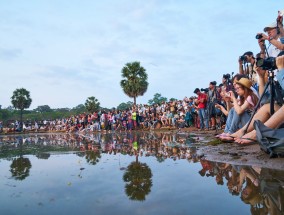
240,113
263,114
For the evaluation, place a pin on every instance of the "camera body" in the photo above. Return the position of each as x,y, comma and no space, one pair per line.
267,63
204,90
243,58
227,76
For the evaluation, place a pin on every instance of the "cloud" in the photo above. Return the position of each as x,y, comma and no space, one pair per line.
9,54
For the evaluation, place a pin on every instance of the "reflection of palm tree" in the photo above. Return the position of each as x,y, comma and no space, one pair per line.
20,168
138,181
93,157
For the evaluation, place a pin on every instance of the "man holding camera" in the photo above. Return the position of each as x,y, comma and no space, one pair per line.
201,102
273,31
244,61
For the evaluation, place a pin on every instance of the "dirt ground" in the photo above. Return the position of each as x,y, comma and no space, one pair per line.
233,153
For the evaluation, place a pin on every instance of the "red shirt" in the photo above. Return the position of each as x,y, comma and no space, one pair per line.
202,96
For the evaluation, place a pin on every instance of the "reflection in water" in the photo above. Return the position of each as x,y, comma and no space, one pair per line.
20,168
138,178
262,189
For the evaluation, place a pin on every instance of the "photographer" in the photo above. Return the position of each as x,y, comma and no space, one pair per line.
201,104
247,67
239,115
213,98
246,58
263,114
275,35
275,46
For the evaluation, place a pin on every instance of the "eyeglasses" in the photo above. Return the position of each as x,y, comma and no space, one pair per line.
237,88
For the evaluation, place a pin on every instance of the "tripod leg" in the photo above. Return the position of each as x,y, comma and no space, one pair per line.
256,107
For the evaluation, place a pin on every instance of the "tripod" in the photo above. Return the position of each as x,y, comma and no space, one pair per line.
270,83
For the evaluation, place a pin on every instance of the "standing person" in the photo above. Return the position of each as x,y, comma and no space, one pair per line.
213,98
201,104
273,31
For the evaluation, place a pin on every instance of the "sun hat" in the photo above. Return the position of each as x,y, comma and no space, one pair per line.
244,82
272,25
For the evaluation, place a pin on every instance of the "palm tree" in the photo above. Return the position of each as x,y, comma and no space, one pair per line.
92,104
135,82
21,100
20,166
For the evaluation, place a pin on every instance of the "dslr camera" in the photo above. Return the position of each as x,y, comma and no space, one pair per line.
267,63
258,36
243,58
227,76
204,90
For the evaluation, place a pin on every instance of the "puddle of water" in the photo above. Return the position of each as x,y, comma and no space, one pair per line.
140,173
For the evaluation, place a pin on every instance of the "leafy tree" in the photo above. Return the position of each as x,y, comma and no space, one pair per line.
20,168
158,99
173,99
134,82
93,157
43,108
138,178
21,100
92,104
79,109
125,106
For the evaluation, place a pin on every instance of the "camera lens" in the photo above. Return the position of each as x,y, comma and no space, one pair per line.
258,36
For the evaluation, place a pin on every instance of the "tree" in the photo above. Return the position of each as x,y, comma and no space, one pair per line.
138,178
43,108
92,104
158,99
21,100
134,82
125,106
79,109
173,99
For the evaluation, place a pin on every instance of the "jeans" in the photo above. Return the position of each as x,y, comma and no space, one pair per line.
235,121
280,77
203,118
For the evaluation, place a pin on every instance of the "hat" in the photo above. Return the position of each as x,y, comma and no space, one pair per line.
272,25
213,83
196,90
244,82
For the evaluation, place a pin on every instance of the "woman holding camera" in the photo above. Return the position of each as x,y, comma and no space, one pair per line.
242,108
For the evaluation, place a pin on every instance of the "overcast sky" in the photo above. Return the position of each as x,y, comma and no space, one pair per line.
64,51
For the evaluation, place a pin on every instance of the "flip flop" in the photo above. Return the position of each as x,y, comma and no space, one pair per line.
252,141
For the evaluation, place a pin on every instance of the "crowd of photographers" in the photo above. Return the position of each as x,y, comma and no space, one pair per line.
254,93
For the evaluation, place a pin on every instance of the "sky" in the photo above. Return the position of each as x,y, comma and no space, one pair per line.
65,51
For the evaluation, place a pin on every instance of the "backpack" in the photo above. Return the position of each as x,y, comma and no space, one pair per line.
270,140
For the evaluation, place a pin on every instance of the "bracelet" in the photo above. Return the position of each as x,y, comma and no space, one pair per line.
270,38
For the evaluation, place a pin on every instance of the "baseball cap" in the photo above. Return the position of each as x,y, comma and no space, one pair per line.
271,25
